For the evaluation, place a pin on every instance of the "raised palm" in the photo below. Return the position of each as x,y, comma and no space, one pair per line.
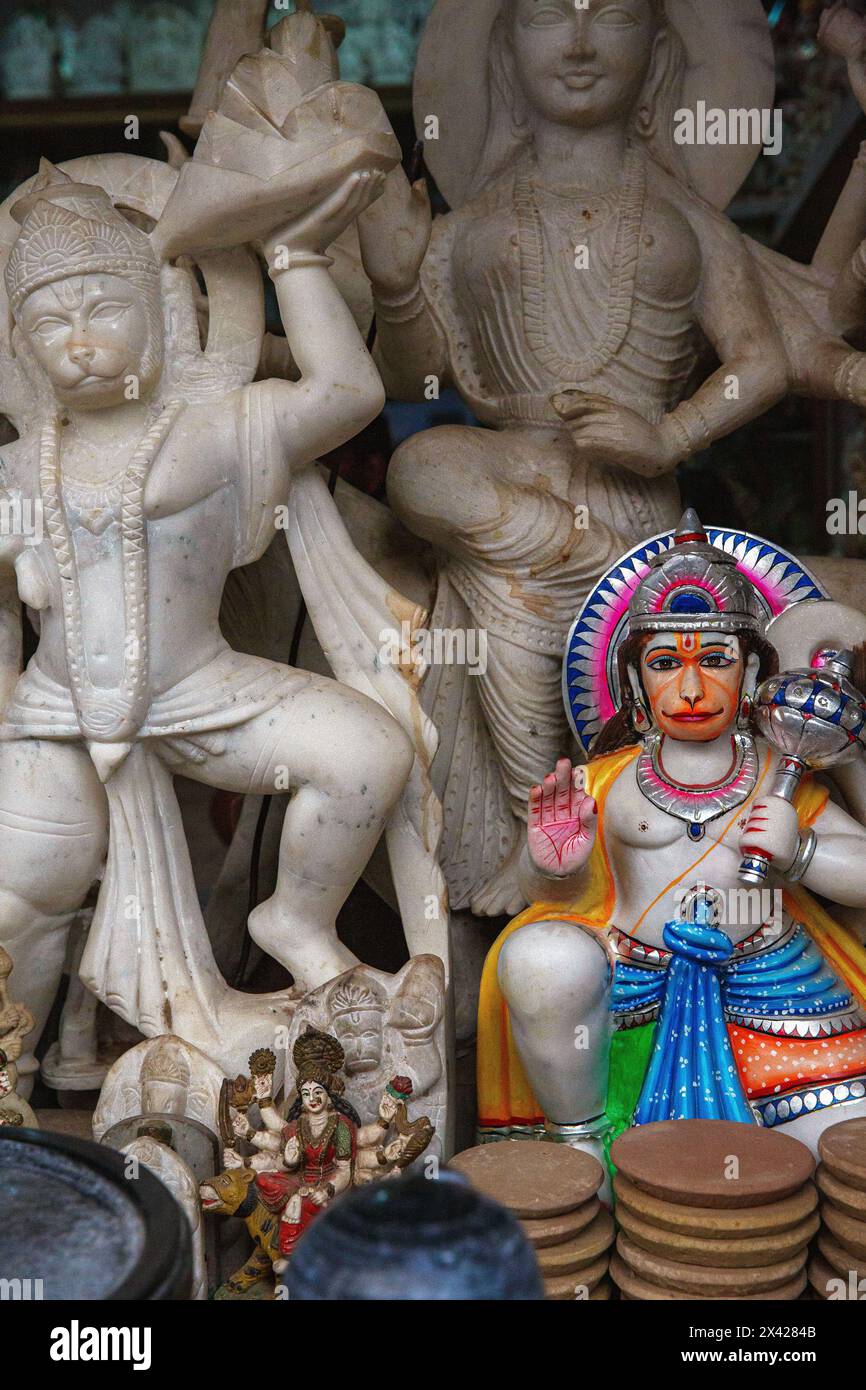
562,822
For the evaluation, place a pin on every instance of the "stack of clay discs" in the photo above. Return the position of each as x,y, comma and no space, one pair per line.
713,1210
552,1191
839,1259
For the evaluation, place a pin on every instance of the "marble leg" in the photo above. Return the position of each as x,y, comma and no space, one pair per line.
346,762
53,835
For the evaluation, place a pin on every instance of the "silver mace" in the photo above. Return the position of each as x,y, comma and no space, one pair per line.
815,720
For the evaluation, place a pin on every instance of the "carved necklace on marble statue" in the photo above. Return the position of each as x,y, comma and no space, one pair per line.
534,277
694,804
106,715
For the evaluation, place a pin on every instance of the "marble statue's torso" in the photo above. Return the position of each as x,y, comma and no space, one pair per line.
196,534
542,277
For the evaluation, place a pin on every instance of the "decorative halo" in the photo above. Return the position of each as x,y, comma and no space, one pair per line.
729,64
590,680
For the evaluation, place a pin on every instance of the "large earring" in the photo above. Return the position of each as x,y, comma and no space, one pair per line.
640,720
644,123
747,695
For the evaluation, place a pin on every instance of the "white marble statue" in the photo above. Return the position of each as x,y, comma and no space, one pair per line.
154,467
163,1076
568,295
171,1170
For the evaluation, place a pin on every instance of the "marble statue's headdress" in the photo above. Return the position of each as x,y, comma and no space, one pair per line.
70,229
166,1061
694,587
355,996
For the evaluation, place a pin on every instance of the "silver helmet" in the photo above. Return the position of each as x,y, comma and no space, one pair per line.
695,587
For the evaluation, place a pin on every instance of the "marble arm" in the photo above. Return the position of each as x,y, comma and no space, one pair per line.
733,313
10,635
339,391
848,298
394,235
846,226
838,867
410,347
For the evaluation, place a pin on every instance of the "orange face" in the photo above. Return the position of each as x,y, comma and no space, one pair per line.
692,681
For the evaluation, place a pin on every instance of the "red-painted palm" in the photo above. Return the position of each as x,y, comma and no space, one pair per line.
563,819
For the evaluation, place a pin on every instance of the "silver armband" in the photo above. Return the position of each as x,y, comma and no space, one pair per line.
803,857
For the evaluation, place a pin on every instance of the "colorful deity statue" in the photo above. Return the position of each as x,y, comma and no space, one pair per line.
320,1148
647,981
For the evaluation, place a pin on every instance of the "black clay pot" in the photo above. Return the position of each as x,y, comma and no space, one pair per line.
75,1226
414,1239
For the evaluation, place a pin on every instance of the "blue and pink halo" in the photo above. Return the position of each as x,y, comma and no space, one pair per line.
590,680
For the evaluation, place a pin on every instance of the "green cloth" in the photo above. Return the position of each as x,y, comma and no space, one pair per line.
343,1140
629,1058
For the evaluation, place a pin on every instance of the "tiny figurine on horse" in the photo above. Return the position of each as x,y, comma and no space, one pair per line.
646,983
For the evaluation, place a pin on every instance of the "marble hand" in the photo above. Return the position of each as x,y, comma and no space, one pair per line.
395,233
772,829
292,1152
563,820
605,432
317,228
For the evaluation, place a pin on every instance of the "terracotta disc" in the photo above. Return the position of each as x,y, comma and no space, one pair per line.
820,1274
556,1230
842,1148
586,1247
633,1287
840,1260
744,1252
712,1163
716,1223
600,1294
850,1233
710,1283
531,1177
565,1286
839,1194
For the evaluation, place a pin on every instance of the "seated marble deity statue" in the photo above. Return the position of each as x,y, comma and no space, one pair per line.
565,296
153,486
646,983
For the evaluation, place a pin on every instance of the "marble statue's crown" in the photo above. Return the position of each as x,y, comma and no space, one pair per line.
70,229
353,997
694,587
166,1061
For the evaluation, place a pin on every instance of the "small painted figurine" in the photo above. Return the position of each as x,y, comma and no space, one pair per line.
304,1160
15,1023
646,983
